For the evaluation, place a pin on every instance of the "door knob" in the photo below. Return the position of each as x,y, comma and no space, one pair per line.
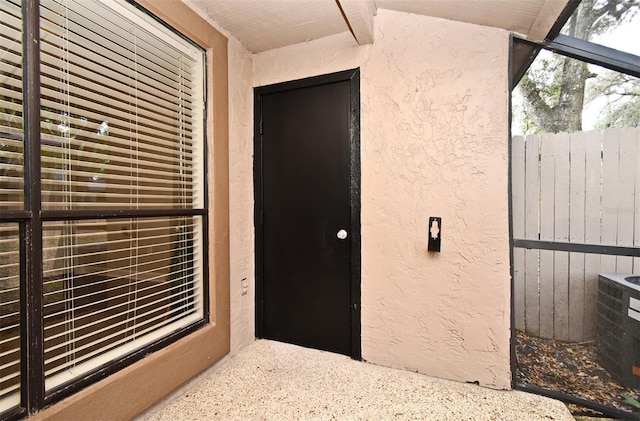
342,234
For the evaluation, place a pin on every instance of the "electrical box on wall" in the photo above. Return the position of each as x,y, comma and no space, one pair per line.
435,232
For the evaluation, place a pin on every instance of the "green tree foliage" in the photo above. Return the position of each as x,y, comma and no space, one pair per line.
555,89
622,94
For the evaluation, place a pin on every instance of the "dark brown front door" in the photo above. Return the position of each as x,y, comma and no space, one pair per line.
305,199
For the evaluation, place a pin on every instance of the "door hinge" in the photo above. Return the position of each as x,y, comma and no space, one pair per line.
260,126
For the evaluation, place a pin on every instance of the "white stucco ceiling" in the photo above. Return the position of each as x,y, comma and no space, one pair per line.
262,25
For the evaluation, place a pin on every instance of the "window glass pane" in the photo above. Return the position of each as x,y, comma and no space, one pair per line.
122,111
9,316
612,23
122,128
113,286
11,125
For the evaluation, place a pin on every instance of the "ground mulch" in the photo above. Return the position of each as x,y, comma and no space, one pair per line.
570,368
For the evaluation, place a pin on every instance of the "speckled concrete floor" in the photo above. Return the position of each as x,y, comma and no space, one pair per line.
276,381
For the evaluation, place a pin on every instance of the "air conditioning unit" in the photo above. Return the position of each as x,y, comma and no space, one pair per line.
619,327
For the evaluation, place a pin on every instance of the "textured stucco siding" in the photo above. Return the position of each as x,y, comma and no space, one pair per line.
434,143
434,99
241,225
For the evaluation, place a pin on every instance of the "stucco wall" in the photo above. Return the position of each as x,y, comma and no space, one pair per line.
434,143
435,134
241,226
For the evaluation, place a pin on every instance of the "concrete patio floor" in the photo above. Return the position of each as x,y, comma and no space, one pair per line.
275,381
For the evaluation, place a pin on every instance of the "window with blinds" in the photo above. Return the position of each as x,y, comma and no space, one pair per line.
10,362
11,124
11,199
121,107
122,210
113,286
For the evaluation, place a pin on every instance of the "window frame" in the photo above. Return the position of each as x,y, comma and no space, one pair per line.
30,221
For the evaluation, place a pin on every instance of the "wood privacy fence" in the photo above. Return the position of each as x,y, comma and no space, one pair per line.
571,189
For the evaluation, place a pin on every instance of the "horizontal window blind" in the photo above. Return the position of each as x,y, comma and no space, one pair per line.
9,316
113,286
122,110
122,118
11,115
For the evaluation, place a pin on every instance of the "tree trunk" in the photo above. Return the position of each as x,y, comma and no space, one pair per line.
566,116
555,103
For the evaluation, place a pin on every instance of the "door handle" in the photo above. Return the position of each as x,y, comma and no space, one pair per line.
342,234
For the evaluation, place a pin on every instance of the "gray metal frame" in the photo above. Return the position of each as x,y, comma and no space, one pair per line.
592,53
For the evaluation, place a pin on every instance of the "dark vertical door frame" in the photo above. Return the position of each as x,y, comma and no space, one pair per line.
353,77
